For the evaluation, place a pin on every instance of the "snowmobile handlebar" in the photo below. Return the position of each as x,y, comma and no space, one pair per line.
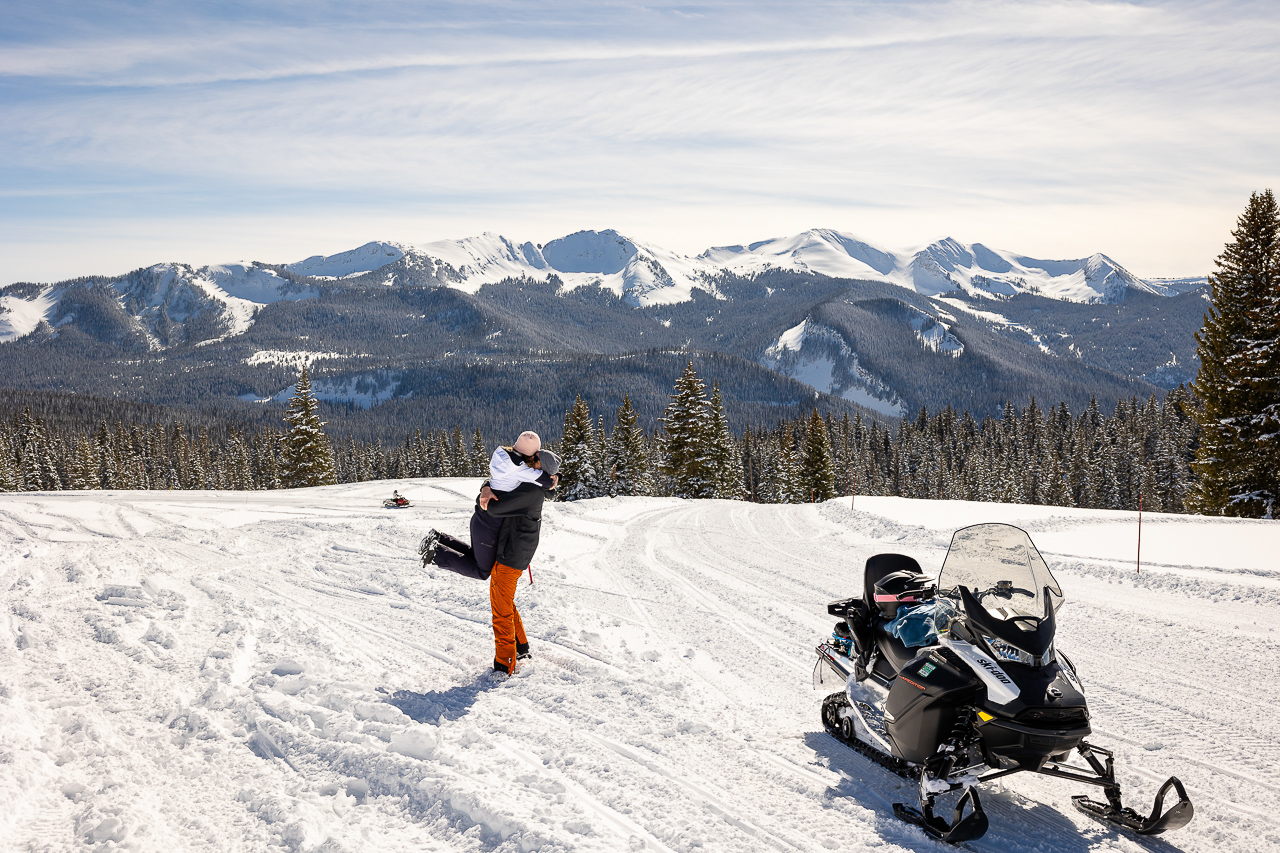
1003,589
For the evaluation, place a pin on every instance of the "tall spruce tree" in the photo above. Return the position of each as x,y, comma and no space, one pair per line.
817,470
479,459
578,474
1238,460
628,455
686,439
604,481
8,469
306,457
787,487
725,461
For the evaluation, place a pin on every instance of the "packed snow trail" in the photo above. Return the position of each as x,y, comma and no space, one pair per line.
274,671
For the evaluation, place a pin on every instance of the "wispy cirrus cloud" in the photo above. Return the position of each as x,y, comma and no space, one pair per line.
1052,127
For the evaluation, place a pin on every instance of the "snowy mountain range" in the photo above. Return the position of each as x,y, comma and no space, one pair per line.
641,274
833,315
644,274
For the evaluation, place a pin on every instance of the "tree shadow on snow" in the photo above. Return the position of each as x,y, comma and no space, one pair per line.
450,704
1017,822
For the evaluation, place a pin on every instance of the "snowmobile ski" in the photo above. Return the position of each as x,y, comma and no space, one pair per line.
1178,815
962,827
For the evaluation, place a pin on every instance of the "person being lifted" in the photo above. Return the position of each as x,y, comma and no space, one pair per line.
505,532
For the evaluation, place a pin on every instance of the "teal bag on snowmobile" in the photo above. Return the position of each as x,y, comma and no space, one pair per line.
914,625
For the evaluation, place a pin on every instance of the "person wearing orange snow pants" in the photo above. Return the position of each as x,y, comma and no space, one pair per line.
521,512
509,640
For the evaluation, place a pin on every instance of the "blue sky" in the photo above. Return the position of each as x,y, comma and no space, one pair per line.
133,133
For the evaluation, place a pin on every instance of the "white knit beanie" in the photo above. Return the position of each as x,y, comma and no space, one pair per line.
528,443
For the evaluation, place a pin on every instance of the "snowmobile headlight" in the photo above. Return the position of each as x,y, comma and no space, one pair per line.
1001,650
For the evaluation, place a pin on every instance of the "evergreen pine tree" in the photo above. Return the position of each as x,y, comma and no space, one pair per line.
786,468
459,453
578,472
1238,460
8,470
36,469
306,458
479,459
817,472
687,460
723,451
628,455
602,483
443,459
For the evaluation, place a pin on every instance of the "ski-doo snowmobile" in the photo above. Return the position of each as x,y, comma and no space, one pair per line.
395,503
986,695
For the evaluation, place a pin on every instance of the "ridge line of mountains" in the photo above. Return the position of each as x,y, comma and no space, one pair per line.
422,332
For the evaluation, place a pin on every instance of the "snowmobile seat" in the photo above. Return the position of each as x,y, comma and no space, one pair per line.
877,568
894,655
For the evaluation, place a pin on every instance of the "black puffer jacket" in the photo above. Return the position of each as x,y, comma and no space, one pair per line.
521,512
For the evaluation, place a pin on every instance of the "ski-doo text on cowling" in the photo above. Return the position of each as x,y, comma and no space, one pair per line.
981,693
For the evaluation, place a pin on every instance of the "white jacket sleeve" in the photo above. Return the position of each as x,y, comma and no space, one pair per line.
505,475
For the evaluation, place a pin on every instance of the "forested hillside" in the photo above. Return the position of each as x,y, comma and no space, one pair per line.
515,354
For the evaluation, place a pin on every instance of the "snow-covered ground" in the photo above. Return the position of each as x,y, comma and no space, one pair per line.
260,671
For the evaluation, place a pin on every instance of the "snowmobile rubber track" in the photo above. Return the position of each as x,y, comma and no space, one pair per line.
831,722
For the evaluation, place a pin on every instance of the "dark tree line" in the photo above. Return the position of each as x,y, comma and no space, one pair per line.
173,456
1093,459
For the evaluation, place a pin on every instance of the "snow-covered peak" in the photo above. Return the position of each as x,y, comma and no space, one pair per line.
176,292
818,250
604,252
641,274
370,256
486,259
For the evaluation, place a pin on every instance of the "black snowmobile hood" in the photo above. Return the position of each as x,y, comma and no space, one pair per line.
1034,641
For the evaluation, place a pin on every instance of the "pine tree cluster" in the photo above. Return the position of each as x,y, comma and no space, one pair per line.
168,456
1033,457
1030,456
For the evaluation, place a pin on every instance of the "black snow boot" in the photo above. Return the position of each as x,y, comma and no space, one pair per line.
522,651
427,548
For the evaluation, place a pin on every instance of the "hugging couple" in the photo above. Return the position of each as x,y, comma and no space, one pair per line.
505,527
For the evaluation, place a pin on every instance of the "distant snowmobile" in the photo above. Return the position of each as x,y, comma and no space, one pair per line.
987,696
396,501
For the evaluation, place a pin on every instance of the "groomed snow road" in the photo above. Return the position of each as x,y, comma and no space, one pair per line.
274,671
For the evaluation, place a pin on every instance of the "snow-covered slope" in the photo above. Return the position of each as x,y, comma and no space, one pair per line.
819,250
21,313
273,671
177,291
154,299
819,356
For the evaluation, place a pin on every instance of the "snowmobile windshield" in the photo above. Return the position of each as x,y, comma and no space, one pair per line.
1003,571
